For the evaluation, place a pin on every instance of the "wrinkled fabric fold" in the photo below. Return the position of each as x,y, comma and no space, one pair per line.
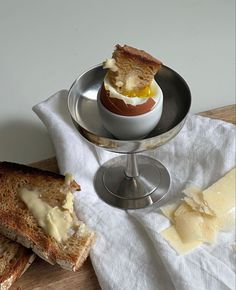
129,252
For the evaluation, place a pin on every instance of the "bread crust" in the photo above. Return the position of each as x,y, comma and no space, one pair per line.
25,169
19,224
22,259
138,54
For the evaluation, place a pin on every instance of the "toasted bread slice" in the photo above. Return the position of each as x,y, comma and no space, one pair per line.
134,68
14,260
18,223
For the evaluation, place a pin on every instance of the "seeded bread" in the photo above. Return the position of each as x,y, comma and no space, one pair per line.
18,224
14,260
135,68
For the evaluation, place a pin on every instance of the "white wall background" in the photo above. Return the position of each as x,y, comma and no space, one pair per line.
45,45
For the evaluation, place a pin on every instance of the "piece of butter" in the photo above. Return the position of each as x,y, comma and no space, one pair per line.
220,196
36,206
68,202
131,82
68,178
55,221
82,230
59,223
110,63
119,84
171,235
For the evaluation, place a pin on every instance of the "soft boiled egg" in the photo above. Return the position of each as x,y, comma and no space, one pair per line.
129,103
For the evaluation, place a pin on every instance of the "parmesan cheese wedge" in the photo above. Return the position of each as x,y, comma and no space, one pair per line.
201,214
220,196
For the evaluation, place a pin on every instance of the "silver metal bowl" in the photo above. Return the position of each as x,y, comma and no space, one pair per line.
132,182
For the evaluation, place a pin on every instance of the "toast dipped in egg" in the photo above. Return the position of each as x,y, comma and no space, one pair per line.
129,87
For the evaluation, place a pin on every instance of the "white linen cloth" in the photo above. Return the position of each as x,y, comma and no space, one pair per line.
130,253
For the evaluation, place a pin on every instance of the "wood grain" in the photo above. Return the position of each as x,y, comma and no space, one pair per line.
42,276
227,114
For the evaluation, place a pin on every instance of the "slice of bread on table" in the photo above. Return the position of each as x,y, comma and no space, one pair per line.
19,224
14,260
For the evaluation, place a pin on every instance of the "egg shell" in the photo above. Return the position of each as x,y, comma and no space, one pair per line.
119,107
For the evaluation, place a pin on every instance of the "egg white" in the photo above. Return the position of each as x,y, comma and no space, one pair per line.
134,101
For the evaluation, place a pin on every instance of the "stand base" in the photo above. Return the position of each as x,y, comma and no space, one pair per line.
117,189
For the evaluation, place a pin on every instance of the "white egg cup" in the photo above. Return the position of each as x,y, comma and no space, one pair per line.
131,127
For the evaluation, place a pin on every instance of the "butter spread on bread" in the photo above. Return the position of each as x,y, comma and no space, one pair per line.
19,224
57,221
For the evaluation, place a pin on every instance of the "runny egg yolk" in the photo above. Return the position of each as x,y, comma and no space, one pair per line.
147,92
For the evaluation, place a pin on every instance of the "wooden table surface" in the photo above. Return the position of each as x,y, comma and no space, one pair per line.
42,275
